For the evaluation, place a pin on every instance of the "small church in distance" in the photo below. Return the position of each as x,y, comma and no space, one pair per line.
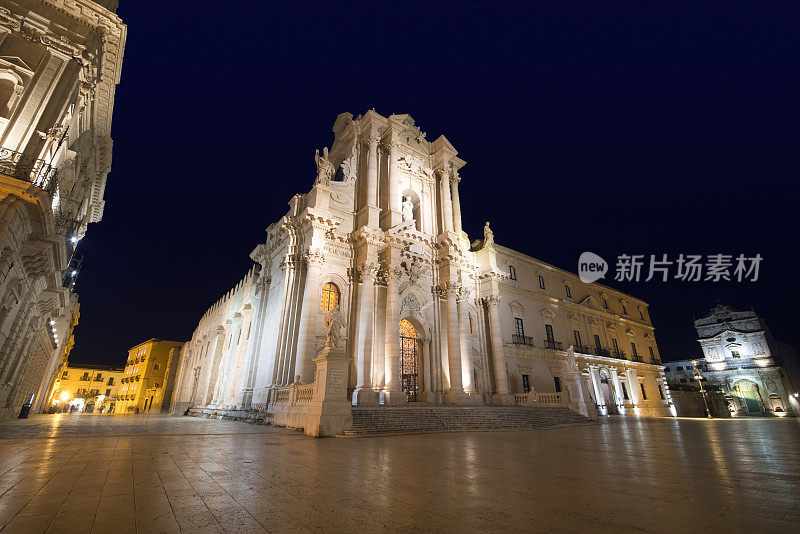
427,316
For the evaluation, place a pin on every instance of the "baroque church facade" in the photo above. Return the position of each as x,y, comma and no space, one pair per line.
758,374
429,316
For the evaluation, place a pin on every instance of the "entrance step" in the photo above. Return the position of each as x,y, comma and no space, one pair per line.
424,419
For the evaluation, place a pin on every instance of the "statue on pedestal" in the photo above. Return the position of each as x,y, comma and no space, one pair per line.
488,235
333,329
325,169
408,209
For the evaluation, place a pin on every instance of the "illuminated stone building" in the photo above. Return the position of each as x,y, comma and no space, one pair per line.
147,379
85,389
757,374
60,61
431,316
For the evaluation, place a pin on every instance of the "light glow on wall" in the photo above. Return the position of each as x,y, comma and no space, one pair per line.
718,366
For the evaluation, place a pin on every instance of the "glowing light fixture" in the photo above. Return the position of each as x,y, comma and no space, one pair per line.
65,396
74,273
73,239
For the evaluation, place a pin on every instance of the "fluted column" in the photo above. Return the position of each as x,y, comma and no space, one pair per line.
372,180
392,187
392,393
465,343
304,361
456,203
453,344
598,390
633,387
363,393
618,398
498,353
447,203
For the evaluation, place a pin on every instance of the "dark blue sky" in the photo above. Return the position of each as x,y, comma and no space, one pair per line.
621,127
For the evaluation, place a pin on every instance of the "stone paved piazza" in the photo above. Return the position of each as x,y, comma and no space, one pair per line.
160,474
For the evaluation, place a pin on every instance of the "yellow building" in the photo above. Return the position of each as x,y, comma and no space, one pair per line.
147,380
86,389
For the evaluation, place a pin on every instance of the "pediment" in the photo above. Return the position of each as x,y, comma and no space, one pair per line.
592,304
547,313
516,306
630,332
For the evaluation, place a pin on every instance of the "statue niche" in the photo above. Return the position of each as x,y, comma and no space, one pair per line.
411,209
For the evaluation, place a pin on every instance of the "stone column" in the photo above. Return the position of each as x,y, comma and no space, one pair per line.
617,387
598,390
447,203
363,394
465,342
307,334
456,393
633,387
504,395
393,189
372,181
392,394
456,203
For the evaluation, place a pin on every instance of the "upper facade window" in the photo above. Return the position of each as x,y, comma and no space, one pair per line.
605,303
330,297
541,282
568,291
512,273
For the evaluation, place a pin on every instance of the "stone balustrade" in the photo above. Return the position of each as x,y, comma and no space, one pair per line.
534,398
292,395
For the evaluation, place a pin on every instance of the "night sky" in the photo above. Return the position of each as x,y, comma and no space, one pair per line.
627,128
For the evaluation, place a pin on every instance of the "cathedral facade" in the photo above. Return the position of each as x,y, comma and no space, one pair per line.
428,315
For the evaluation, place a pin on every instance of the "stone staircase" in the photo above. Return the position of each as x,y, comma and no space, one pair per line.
421,419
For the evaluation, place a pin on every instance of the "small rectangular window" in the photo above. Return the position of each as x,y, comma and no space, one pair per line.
548,329
644,393
597,344
541,282
557,382
652,354
519,328
568,291
624,310
577,336
108,392
605,303
660,391
641,314
624,391
512,273
633,349
616,347
526,383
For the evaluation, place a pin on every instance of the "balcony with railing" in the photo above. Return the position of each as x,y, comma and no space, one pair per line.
522,340
26,168
553,345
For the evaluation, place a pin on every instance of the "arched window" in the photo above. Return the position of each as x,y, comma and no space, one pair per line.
568,291
330,297
512,273
541,282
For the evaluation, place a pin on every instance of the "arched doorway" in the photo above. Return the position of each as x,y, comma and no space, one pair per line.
409,359
608,395
749,397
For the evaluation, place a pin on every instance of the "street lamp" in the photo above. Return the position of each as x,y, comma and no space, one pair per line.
699,378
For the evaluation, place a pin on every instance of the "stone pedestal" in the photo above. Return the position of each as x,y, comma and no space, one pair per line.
503,399
329,412
579,398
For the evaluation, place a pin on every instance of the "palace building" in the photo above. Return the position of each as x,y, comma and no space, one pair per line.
60,62
757,374
428,316
85,389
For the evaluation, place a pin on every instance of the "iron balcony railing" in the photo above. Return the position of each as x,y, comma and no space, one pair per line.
619,354
552,344
522,340
27,168
636,358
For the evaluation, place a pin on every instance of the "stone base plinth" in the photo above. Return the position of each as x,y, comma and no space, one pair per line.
329,413
365,397
503,399
393,398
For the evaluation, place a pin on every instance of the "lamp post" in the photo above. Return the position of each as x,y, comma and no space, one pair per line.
699,379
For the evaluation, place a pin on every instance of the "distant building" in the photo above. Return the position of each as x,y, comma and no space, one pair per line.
756,373
146,380
85,389
60,62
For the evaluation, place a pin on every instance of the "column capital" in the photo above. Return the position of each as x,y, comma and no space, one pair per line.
369,270
492,301
314,257
392,273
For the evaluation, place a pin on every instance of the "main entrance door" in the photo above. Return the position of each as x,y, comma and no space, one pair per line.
409,359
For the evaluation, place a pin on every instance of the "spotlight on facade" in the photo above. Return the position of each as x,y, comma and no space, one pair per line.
73,239
74,273
52,322
65,396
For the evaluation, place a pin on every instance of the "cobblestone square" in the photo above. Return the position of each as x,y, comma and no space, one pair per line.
166,474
